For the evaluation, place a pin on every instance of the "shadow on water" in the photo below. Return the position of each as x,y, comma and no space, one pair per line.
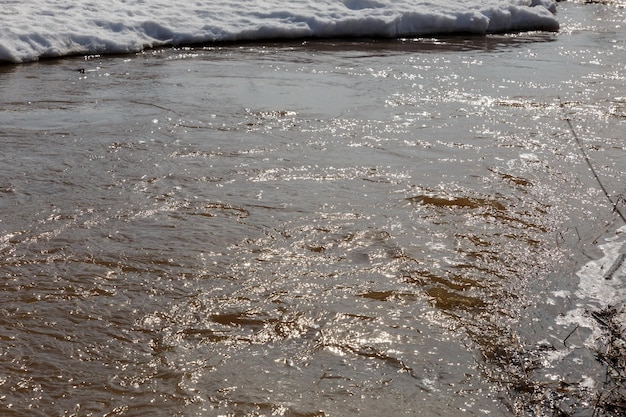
369,47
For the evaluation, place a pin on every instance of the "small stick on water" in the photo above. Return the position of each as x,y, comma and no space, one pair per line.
570,333
616,265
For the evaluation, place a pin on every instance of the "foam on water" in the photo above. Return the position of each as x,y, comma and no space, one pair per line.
38,28
601,279
601,285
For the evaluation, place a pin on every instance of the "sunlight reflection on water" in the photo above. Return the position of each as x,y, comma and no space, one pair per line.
328,228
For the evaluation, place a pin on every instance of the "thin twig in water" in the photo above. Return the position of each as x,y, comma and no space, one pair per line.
143,103
616,265
593,171
570,333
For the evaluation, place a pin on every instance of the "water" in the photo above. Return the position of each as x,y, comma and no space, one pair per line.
311,228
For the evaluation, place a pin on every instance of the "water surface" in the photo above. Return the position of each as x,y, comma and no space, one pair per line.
311,228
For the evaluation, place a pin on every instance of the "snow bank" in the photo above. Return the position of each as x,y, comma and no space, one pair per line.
43,28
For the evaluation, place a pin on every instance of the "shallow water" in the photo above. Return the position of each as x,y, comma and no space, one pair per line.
310,228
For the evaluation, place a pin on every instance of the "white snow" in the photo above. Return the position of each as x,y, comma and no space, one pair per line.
49,28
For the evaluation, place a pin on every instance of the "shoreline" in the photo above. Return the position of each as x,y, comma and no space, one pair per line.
436,42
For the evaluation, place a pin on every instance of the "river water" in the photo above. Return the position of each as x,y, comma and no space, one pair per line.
334,228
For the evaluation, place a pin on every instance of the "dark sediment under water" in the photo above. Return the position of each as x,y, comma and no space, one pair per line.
316,228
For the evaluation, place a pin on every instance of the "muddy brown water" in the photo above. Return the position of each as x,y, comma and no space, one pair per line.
334,228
